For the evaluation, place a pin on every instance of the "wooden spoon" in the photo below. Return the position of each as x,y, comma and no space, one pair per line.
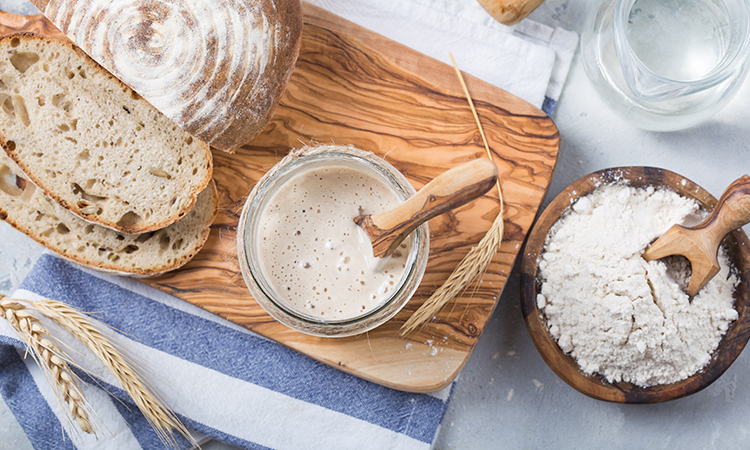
700,244
449,190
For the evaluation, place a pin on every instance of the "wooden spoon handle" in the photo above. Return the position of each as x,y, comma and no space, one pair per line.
449,190
732,211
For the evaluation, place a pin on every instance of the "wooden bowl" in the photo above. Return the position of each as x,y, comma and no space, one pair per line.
564,365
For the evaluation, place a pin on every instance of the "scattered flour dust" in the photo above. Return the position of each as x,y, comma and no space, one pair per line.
618,315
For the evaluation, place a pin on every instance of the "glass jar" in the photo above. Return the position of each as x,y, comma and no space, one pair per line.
666,65
261,285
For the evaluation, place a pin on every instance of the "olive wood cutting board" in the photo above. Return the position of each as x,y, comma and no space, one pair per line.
353,86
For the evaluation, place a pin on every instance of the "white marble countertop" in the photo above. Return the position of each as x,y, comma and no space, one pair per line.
506,397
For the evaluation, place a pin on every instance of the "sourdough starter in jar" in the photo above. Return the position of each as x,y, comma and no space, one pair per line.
313,254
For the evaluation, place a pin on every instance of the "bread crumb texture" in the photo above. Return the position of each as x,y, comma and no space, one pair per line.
25,207
617,314
90,142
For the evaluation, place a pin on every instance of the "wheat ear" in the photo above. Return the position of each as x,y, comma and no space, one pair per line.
49,358
476,261
161,419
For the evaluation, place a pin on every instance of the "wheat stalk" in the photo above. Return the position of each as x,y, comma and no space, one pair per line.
476,261
50,359
161,419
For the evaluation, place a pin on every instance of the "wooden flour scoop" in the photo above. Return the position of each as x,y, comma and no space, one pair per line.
449,190
700,244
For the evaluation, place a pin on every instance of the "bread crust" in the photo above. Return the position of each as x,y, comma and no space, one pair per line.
227,90
13,208
190,192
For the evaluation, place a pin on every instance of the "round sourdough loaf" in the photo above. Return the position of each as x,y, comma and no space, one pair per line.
26,208
217,68
90,142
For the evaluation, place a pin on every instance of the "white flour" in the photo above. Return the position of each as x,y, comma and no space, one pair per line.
615,313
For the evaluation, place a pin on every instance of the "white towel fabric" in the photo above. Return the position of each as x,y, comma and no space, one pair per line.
529,60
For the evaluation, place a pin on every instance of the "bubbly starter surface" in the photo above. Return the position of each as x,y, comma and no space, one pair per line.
315,256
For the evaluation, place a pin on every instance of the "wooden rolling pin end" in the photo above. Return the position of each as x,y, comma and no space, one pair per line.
509,12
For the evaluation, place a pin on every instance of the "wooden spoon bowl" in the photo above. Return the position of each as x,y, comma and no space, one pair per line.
563,364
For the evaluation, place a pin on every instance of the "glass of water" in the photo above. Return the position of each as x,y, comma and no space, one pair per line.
666,65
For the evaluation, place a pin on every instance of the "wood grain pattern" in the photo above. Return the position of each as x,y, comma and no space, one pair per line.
510,12
448,191
10,23
353,86
564,365
700,244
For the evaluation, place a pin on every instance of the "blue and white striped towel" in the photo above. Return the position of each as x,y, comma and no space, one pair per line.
224,381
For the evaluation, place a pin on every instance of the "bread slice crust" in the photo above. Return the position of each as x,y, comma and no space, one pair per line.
90,142
27,209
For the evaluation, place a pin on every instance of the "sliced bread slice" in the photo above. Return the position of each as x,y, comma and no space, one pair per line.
90,142
26,208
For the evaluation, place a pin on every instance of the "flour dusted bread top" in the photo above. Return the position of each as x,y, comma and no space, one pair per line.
90,142
26,208
217,68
